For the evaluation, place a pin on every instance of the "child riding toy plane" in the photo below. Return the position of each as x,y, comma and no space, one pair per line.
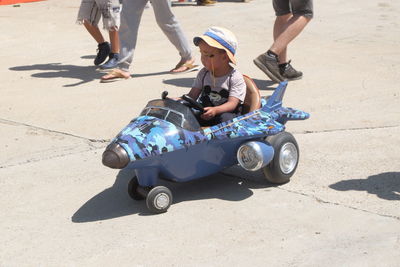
167,140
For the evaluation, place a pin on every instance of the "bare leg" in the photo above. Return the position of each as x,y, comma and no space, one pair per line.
94,32
280,26
114,39
291,29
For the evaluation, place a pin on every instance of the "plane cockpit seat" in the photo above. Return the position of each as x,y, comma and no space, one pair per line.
252,100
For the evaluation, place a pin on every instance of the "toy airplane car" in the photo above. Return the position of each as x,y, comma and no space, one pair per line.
167,142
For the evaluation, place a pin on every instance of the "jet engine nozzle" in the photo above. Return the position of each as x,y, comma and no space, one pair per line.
115,156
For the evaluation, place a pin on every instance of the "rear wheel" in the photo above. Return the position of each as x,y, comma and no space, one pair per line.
286,158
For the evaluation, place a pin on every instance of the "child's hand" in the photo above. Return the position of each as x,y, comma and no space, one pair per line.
209,113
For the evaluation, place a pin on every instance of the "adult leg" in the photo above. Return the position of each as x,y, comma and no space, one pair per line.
113,57
114,39
280,26
103,49
171,28
130,19
268,62
289,30
89,15
292,17
111,11
274,62
94,32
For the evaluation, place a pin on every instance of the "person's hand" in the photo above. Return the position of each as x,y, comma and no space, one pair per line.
209,113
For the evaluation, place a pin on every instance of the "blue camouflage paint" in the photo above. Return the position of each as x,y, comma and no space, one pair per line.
148,136
158,148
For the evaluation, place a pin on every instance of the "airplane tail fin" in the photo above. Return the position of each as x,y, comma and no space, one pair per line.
275,100
282,114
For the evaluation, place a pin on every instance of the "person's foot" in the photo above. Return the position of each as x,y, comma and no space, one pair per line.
103,51
290,73
205,2
268,63
115,75
111,63
184,66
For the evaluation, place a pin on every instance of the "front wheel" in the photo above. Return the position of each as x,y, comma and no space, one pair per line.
159,199
286,158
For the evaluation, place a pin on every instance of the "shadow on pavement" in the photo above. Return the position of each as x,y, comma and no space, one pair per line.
56,70
265,84
385,185
135,75
114,202
188,82
180,82
88,57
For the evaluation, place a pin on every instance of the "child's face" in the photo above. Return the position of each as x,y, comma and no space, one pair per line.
212,58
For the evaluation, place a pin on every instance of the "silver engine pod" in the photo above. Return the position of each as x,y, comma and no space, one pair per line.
254,155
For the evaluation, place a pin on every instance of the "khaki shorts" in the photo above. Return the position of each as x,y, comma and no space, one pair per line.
296,7
92,10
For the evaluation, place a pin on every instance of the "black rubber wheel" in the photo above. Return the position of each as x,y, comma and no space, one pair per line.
159,199
286,158
133,187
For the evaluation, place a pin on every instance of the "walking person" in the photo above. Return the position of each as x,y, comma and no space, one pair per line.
89,15
291,18
130,20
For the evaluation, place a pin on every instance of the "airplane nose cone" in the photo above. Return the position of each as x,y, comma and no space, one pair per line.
115,157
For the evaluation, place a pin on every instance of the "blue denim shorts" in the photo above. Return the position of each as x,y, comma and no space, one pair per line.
296,7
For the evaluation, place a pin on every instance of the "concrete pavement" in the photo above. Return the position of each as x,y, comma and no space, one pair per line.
61,207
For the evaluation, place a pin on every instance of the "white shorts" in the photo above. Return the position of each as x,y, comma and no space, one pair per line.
92,10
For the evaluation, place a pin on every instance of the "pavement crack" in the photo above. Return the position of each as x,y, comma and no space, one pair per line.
15,123
348,129
63,153
90,144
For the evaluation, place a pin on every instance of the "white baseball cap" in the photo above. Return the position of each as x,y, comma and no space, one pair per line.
221,38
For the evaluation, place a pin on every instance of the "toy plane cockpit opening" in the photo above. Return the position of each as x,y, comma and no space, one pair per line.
173,112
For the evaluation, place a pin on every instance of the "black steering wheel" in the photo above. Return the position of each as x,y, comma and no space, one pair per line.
193,103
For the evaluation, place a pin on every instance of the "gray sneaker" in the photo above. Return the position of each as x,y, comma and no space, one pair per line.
288,72
111,63
269,65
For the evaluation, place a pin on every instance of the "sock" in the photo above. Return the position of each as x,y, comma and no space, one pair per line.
272,54
113,55
283,66
102,44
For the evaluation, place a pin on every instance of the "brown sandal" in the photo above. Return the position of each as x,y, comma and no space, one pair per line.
187,67
114,75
